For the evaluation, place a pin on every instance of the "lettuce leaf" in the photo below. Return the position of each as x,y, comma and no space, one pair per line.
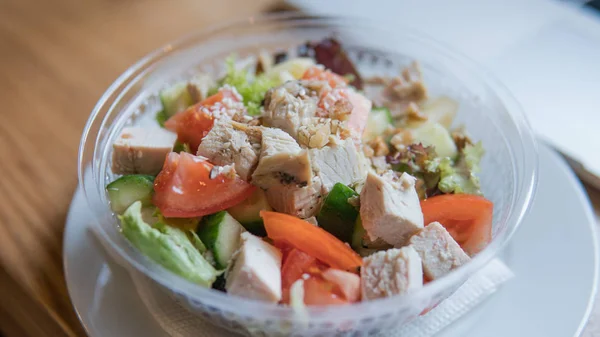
161,117
459,177
252,89
167,246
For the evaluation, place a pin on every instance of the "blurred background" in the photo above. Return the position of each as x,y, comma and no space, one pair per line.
58,56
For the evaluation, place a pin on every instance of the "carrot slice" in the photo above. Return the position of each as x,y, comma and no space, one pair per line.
468,218
310,239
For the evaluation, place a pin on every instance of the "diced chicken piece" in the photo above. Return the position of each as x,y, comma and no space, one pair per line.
224,145
390,208
287,105
141,150
339,163
438,251
391,272
281,162
256,270
293,199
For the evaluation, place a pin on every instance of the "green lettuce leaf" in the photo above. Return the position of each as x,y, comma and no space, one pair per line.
459,177
161,117
168,246
252,89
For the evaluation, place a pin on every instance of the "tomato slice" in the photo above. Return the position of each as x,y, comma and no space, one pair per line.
348,283
196,121
468,218
321,74
310,239
318,291
296,264
184,189
323,285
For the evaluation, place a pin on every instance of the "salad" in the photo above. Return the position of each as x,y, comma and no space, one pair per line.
292,179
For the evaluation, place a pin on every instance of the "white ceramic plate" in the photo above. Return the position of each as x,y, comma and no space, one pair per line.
554,256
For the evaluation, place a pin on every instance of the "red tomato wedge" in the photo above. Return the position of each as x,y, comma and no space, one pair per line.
318,291
310,239
468,218
320,74
294,266
348,283
183,189
284,248
196,121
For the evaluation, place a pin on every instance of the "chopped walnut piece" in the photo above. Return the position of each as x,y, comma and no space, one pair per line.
245,119
368,151
399,92
413,114
399,89
318,132
380,148
341,109
314,135
354,201
377,80
461,139
401,139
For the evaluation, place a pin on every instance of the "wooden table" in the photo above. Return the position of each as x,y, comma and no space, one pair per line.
56,59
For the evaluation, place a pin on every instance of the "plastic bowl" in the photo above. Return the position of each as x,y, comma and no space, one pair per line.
488,111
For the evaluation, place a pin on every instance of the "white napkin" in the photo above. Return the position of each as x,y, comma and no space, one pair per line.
179,322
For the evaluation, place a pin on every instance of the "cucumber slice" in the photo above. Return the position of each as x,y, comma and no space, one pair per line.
358,243
440,110
161,117
220,232
337,215
247,212
379,120
128,189
357,235
436,135
175,99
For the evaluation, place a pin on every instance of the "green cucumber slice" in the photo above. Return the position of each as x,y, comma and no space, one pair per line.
128,189
220,232
247,212
337,215
436,135
379,120
175,99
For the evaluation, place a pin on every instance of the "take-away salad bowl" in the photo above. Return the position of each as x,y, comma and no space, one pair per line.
487,110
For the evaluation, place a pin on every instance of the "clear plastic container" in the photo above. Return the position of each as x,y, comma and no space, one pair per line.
488,111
